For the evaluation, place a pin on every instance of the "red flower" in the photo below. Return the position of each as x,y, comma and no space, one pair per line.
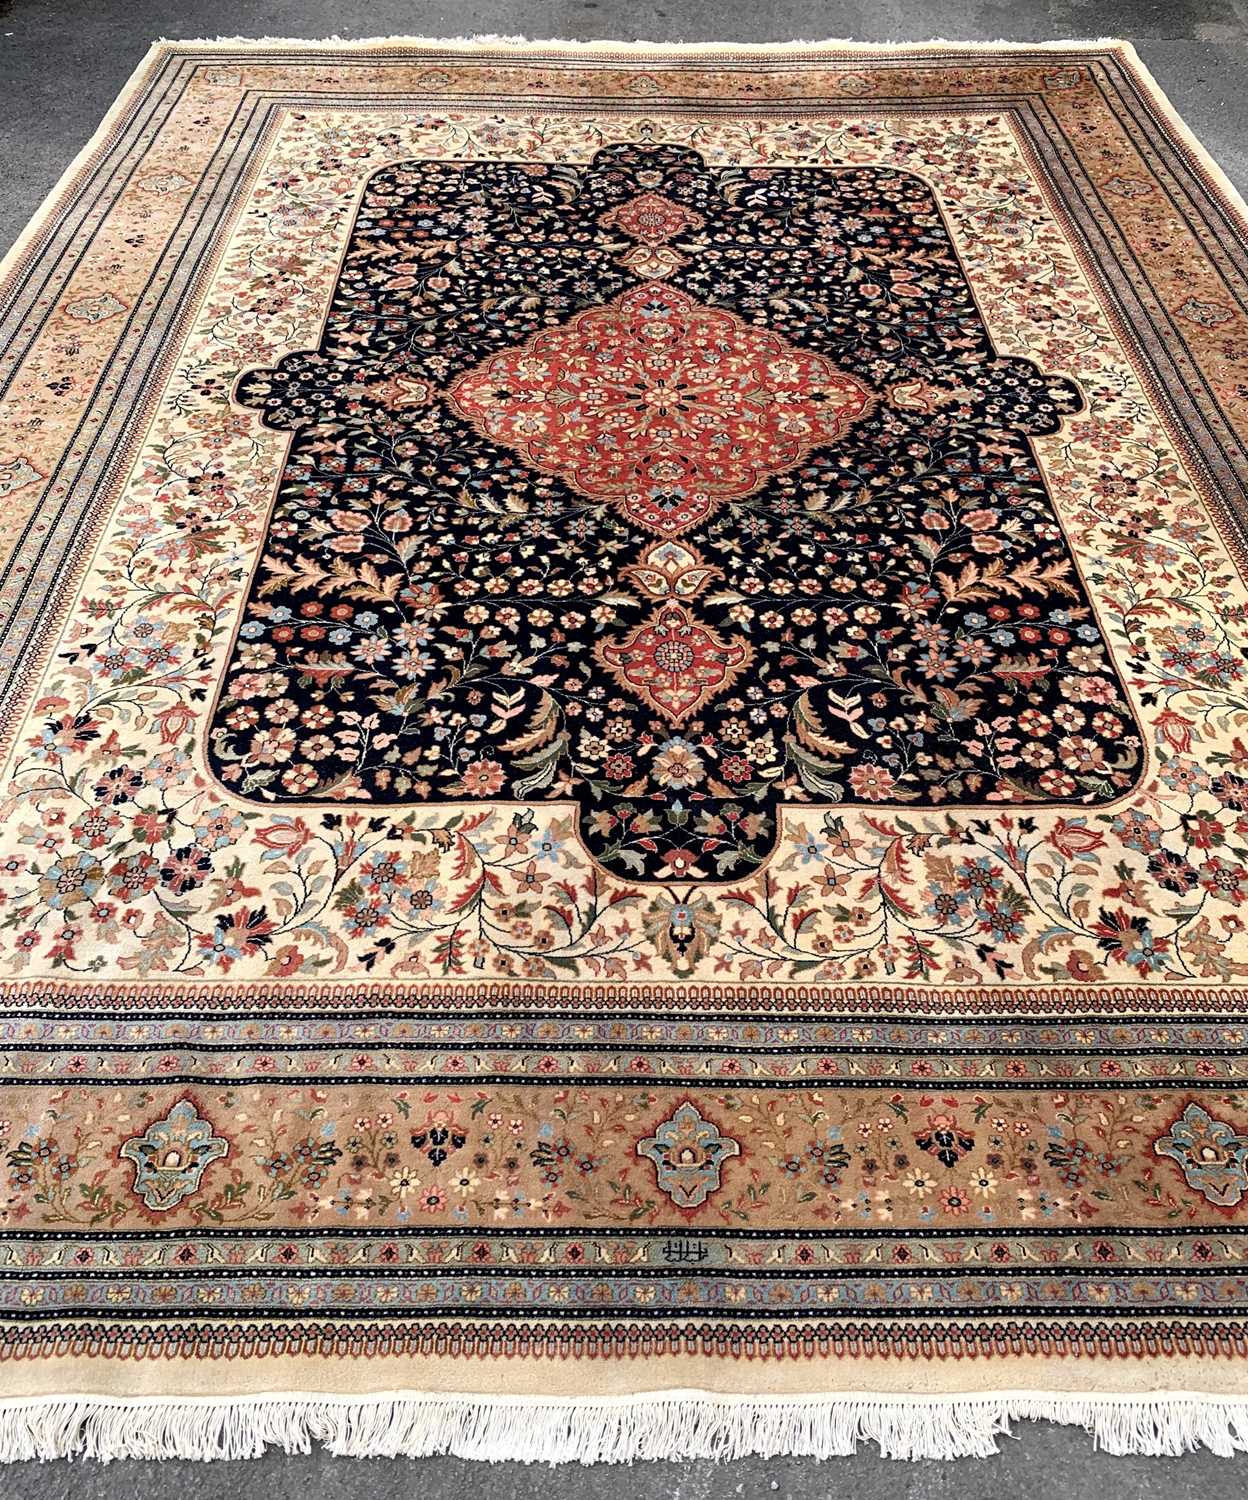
871,783
1175,730
483,778
175,722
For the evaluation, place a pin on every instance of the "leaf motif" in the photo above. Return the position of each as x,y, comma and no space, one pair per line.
1052,579
816,774
811,732
974,584
538,730
307,575
541,765
848,706
363,581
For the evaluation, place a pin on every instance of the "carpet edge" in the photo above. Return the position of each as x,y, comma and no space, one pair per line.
645,1427
1171,120
55,199
516,43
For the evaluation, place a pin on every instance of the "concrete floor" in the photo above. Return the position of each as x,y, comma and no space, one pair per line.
61,66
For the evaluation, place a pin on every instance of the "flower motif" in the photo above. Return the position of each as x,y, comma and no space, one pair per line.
661,406
16,474
560,528
674,664
682,931
163,183
652,219
94,309
1207,314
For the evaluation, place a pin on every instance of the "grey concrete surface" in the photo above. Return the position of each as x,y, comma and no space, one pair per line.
61,66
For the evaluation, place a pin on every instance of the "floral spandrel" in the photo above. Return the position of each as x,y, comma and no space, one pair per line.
464,592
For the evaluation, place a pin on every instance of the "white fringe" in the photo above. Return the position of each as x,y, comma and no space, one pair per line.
668,1425
497,41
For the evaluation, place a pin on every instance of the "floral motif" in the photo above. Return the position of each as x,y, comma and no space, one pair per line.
1213,1157
16,474
172,1155
651,218
688,1153
164,182
1207,314
94,309
448,1143
122,851
324,796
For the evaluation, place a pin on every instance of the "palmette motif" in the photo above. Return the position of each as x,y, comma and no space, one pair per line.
170,1157
655,739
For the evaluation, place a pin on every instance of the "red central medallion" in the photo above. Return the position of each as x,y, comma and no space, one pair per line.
660,406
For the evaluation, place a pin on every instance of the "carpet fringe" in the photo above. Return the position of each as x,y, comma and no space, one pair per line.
516,43
668,1425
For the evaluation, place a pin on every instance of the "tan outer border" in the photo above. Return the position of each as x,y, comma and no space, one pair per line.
163,48
1168,117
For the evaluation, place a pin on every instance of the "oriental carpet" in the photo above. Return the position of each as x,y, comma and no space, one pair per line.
624,801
